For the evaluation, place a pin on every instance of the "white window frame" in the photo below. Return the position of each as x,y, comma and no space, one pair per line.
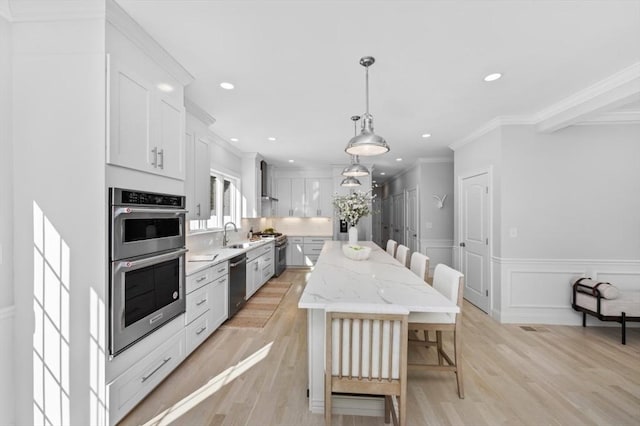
217,223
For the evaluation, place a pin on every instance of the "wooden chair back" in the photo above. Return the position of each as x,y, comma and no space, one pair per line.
366,353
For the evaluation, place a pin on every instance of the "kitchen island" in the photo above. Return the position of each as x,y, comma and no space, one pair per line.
378,280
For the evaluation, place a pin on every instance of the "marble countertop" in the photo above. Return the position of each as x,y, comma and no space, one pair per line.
224,254
378,280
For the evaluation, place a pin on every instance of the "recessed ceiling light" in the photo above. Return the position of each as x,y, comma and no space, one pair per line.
165,87
226,85
271,138
234,139
426,135
493,77
382,173
291,161
398,159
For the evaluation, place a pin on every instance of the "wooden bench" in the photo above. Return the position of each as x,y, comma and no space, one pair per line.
589,298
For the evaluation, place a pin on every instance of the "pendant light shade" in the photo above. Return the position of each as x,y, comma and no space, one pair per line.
367,142
355,169
350,182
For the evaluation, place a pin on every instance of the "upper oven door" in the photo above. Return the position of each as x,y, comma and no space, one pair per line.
138,231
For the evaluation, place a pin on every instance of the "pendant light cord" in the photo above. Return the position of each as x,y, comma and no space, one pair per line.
367,87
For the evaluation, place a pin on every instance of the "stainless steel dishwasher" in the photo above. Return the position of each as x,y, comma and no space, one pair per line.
237,283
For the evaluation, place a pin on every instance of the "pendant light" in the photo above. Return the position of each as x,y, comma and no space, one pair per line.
367,143
355,168
350,182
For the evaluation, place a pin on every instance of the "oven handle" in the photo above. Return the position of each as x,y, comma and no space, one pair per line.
134,264
126,210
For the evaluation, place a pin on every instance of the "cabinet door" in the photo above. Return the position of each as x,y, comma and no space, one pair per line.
283,194
219,305
297,197
297,253
253,275
325,199
169,143
130,99
190,176
312,196
202,179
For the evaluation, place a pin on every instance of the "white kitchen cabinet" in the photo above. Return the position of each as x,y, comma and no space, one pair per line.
311,248
291,197
133,385
260,267
146,126
295,254
197,179
318,197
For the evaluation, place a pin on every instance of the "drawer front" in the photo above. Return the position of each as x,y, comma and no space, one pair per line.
198,331
198,302
312,249
254,253
219,311
219,270
267,271
139,380
316,240
266,249
298,240
199,279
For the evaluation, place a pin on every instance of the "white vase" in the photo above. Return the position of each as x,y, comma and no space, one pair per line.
353,236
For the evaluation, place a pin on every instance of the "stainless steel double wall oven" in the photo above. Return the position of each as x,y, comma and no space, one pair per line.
147,260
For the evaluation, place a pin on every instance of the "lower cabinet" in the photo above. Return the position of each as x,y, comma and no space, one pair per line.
295,255
304,251
260,267
133,385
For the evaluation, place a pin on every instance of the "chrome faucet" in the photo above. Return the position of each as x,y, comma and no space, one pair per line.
225,240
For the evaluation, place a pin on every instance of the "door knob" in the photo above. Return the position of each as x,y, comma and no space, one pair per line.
463,244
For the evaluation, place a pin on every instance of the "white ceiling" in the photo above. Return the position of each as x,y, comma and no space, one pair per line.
295,67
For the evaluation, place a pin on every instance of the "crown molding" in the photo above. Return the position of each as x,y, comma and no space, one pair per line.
51,10
580,108
195,110
117,17
616,90
615,117
425,160
220,141
493,124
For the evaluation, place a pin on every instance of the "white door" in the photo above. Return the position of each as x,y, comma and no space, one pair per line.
474,244
398,218
411,204
386,221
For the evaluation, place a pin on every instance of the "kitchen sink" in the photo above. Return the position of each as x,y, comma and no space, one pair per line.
239,246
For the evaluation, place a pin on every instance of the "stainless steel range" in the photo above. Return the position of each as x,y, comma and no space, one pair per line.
281,250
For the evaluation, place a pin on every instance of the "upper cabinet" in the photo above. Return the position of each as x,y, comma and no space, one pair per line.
146,113
318,196
198,162
304,197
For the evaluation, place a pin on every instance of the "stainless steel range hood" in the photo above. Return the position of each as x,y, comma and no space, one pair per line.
266,186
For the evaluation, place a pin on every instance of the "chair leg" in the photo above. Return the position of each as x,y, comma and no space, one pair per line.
457,357
584,319
439,345
327,400
388,405
624,328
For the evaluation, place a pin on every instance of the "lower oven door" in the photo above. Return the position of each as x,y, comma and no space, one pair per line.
146,293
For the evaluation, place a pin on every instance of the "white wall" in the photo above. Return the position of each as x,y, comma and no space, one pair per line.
573,196
6,228
59,156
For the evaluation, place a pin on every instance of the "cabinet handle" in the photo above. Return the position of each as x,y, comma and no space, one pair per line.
202,278
222,270
221,280
154,163
203,328
164,361
198,213
161,155
201,302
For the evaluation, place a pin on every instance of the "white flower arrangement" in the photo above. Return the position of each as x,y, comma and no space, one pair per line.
352,207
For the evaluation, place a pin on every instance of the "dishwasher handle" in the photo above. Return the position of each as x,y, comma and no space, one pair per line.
233,265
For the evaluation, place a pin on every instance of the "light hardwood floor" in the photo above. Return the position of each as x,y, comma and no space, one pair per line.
555,375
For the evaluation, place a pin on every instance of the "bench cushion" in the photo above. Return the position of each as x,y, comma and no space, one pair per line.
627,301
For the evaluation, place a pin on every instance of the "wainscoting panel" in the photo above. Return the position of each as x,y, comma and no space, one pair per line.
538,291
6,366
439,251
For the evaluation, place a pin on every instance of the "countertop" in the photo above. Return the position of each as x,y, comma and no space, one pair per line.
224,254
378,280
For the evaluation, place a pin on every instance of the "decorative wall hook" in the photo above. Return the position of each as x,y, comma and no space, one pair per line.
440,202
